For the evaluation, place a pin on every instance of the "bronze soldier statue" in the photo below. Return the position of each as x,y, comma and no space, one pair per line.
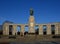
31,12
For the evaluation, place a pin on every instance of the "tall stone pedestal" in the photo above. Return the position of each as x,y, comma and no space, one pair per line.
31,25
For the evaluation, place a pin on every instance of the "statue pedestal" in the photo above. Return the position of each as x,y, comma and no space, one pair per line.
31,25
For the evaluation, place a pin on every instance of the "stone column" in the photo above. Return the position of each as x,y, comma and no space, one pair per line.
6,29
40,29
14,31
22,29
48,29
57,28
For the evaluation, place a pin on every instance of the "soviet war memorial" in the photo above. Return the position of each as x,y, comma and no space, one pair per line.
44,32
50,28
30,22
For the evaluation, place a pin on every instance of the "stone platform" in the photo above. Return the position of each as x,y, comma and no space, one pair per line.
29,38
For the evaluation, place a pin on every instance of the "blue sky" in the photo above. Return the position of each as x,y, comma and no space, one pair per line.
17,11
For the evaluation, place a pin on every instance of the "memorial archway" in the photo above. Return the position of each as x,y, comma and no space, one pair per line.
36,29
44,29
53,29
18,30
10,29
26,30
